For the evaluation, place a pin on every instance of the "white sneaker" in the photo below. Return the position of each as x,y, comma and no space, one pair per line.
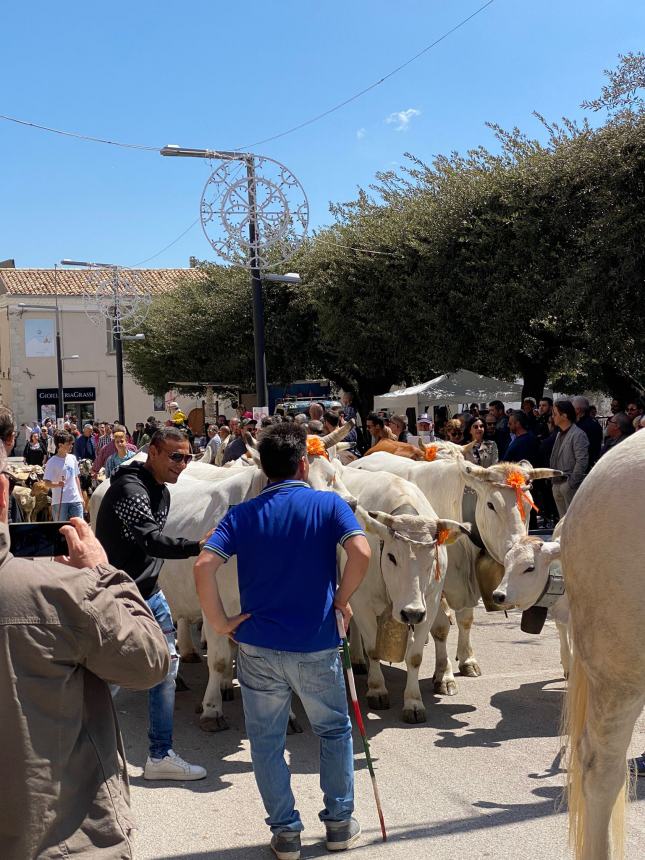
172,766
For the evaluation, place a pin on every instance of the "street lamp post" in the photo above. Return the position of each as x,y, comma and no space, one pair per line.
115,314
269,223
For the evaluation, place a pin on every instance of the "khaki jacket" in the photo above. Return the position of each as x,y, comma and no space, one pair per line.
64,635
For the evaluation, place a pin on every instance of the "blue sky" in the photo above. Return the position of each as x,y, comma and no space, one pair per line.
215,74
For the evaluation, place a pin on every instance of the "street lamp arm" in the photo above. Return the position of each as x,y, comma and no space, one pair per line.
185,152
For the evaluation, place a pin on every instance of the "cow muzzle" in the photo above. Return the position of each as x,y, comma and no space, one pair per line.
412,616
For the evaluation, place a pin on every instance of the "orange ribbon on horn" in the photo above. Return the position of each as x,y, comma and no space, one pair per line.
517,480
430,453
442,537
316,447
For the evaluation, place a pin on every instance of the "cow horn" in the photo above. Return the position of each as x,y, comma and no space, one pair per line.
453,526
468,447
383,518
537,474
337,435
250,441
421,443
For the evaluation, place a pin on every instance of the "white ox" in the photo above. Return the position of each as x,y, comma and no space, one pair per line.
406,572
603,547
526,576
500,523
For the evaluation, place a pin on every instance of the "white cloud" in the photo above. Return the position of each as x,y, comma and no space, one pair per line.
401,119
360,134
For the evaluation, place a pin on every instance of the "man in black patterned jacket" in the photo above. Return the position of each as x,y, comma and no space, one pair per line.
129,524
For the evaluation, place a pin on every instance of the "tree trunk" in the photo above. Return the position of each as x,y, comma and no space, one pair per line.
534,376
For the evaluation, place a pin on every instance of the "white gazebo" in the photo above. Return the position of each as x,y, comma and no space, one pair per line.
455,390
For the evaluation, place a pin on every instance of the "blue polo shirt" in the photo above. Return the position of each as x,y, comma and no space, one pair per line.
285,540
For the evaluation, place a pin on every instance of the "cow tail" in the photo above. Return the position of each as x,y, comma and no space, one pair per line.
574,720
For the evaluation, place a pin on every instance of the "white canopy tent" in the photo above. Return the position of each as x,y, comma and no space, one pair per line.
456,390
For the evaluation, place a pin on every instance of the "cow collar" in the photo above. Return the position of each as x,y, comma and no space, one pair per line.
554,588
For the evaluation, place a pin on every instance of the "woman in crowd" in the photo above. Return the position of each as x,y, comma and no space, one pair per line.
455,431
121,455
484,452
34,452
62,476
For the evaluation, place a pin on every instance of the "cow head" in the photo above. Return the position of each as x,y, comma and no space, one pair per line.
411,547
526,571
503,502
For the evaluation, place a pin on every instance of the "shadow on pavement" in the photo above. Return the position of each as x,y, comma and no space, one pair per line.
544,706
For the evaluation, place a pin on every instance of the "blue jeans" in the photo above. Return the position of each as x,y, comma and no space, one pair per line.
69,509
267,679
161,699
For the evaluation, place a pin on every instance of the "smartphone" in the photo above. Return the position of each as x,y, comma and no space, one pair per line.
32,540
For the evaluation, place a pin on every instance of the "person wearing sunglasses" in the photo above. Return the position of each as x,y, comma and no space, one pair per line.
130,526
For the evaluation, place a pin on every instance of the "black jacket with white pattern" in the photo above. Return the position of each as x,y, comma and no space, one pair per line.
129,524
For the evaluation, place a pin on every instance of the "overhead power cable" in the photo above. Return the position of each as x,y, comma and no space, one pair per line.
344,103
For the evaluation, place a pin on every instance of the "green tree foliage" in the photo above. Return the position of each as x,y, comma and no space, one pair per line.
526,261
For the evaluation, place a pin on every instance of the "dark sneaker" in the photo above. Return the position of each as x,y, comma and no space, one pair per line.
637,765
341,835
286,845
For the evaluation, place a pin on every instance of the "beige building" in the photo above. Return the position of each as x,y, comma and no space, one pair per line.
28,368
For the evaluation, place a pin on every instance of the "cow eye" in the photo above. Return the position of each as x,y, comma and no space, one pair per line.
530,569
490,505
391,558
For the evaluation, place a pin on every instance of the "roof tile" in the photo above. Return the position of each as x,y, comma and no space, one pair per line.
75,282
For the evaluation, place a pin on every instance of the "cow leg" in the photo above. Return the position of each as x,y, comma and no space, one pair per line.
185,645
356,652
468,665
565,647
413,707
227,674
444,680
218,659
602,751
377,695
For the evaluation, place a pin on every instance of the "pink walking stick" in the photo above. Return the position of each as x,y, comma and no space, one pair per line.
359,719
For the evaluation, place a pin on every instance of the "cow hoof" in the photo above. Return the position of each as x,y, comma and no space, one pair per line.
180,685
470,670
378,701
294,727
227,694
445,688
359,668
191,657
213,724
414,714
199,709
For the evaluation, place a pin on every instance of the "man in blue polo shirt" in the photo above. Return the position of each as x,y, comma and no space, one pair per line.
285,541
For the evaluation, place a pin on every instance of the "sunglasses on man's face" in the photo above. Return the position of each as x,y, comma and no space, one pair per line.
178,457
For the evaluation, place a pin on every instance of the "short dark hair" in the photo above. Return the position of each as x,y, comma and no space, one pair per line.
548,400
281,449
521,418
164,433
7,423
62,437
565,407
375,419
496,404
331,418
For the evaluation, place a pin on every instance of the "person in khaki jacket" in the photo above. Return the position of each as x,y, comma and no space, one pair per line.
66,632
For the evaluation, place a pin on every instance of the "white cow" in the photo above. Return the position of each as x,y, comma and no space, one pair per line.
603,547
501,516
526,580
406,570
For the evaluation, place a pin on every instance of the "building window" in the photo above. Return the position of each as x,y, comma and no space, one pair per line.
109,332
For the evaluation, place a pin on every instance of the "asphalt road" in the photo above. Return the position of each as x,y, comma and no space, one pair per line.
480,778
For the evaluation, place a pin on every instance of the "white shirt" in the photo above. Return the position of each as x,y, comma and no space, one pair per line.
63,469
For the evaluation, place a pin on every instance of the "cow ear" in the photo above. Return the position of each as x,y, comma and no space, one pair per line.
454,530
551,550
372,524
